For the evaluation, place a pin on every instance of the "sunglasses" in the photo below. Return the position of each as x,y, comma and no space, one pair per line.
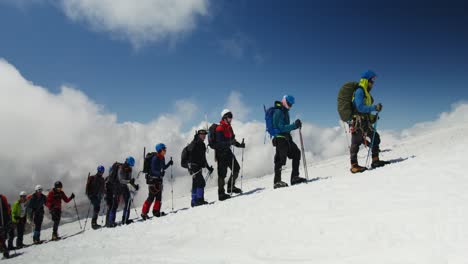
372,80
228,115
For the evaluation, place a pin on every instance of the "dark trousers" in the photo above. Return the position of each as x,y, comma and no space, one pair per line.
56,216
20,231
198,185
112,201
3,235
96,202
11,234
225,161
358,137
37,219
125,192
154,194
286,148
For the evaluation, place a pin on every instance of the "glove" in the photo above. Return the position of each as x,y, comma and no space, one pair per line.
72,196
170,163
210,169
132,181
298,123
137,187
163,173
241,145
378,107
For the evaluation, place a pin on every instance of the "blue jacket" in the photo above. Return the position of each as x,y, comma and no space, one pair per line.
281,120
358,102
158,165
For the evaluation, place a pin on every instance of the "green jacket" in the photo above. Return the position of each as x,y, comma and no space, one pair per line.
18,211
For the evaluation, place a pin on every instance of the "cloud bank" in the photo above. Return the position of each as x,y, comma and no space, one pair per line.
140,22
48,137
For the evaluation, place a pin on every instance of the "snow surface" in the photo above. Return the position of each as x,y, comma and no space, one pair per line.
412,211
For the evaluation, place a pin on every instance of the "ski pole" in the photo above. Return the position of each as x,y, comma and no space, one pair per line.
303,155
242,162
87,216
172,188
373,137
208,176
232,171
77,214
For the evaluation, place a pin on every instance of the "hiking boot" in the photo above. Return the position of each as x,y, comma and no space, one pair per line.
158,213
223,196
280,184
55,237
144,217
355,168
199,202
129,221
6,254
297,180
234,189
376,162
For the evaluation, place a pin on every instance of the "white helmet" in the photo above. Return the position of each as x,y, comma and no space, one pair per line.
38,188
23,193
224,112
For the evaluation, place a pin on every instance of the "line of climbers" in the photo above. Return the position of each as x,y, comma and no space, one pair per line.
355,107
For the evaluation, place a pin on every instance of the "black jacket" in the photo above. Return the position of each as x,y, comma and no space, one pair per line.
36,204
197,154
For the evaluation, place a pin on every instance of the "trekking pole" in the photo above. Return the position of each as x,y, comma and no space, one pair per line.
232,171
103,212
373,137
242,162
172,188
303,155
77,214
87,216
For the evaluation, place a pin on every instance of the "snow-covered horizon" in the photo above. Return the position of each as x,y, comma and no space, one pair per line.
412,211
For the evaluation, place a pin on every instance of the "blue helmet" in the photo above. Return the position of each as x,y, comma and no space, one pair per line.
368,75
130,161
100,169
290,99
160,147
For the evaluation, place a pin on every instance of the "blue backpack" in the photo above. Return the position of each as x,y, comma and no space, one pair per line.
269,121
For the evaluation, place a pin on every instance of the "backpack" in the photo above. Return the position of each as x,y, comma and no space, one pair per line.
184,157
147,162
113,177
345,101
212,136
269,121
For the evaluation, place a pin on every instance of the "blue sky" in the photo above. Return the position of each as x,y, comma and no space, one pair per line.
262,49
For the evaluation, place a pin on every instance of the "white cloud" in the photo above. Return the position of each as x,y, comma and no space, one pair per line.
241,46
237,106
141,22
48,137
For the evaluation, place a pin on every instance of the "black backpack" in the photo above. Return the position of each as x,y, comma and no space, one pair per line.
113,177
147,162
184,157
212,136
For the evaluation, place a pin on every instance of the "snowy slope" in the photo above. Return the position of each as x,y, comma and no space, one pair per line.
412,211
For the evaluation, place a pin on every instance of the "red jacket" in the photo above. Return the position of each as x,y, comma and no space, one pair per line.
6,211
54,200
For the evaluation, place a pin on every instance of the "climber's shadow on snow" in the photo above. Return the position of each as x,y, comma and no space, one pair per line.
318,179
386,150
398,160
256,190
